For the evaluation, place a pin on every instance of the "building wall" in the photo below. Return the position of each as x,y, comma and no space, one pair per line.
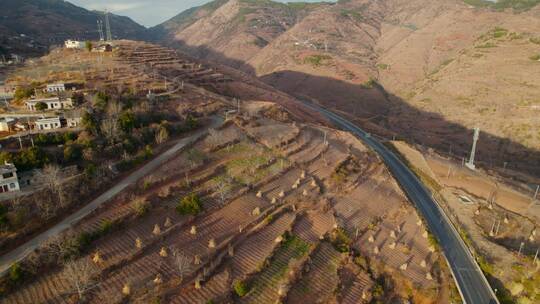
9,183
56,88
48,125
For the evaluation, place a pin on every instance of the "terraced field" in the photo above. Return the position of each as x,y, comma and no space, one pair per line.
269,207
267,286
320,278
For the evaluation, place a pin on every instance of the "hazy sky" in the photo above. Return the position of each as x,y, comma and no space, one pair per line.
148,12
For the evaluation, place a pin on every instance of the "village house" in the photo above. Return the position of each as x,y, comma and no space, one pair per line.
48,123
103,48
56,87
7,124
73,118
74,44
8,178
51,103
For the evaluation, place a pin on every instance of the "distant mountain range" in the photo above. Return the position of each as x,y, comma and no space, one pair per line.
28,27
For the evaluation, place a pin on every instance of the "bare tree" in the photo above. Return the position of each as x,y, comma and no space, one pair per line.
195,157
46,207
162,135
214,138
114,109
181,262
80,276
223,185
51,177
17,203
110,128
56,246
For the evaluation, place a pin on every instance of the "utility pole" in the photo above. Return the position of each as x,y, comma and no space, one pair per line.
520,248
535,256
470,163
20,143
536,192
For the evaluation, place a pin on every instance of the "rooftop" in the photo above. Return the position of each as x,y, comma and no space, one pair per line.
7,168
52,99
48,119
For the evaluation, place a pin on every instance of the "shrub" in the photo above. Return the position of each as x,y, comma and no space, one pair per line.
191,123
30,158
23,92
101,100
189,205
240,288
535,40
361,262
432,240
105,227
127,121
4,221
41,106
88,45
141,207
535,57
341,240
15,273
378,291
370,83
72,153
316,60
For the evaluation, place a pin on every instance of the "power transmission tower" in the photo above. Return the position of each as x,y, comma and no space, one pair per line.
100,30
108,26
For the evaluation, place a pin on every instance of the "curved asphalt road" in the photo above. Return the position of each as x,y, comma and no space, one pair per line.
22,251
471,282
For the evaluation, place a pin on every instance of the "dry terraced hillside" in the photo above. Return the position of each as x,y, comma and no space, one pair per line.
428,71
267,205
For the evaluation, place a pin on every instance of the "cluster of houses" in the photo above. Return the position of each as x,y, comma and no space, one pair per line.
53,112
69,119
101,47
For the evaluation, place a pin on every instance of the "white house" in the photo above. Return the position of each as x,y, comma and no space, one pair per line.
8,178
7,124
48,123
74,44
52,103
56,87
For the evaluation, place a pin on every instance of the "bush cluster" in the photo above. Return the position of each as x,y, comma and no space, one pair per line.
189,205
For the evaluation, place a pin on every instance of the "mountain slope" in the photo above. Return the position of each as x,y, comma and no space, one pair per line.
429,71
230,31
46,22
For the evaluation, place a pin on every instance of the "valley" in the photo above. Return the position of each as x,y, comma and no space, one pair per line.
253,151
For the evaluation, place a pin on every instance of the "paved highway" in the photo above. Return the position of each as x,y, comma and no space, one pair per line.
471,282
